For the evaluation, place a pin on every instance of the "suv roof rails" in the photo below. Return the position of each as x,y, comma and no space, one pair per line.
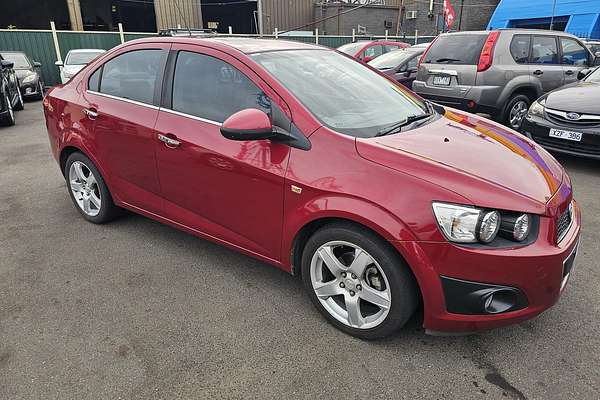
186,32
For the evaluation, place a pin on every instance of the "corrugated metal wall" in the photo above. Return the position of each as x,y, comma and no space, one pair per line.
169,13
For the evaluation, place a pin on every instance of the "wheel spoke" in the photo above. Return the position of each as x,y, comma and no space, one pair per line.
86,204
331,261
95,200
76,185
355,318
361,260
376,297
328,289
91,179
79,172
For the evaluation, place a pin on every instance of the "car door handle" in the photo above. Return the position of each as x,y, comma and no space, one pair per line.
168,141
538,72
91,113
569,72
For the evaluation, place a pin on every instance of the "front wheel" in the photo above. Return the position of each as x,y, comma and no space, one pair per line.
20,103
357,281
8,119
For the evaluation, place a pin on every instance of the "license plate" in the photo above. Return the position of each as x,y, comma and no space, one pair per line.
567,135
441,80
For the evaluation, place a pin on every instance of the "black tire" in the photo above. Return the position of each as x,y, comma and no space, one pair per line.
108,210
8,118
404,291
40,96
20,104
512,102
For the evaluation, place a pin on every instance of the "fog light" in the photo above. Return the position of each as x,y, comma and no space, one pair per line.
499,301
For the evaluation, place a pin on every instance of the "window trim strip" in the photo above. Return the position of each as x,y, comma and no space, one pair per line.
181,114
139,103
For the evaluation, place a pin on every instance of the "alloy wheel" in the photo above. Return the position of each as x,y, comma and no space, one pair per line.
84,187
11,112
350,284
517,113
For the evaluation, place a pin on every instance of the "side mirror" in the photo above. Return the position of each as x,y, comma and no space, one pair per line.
583,73
58,63
248,124
410,71
37,64
7,64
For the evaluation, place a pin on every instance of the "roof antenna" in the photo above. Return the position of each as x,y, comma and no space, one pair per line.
181,15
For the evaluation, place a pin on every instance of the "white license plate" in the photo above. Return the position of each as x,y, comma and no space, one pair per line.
567,135
441,80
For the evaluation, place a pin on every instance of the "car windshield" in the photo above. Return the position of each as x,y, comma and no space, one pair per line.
351,48
343,94
594,76
81,58
19,59
392,59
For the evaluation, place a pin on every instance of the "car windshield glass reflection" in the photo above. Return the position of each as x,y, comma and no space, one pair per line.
20,60
392,59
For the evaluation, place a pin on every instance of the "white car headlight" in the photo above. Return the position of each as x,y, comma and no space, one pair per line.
30,78
458,223
537,108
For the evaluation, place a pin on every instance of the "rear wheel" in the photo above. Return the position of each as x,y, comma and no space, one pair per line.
360,284
20,104
88,191
516,110
40,95
8,118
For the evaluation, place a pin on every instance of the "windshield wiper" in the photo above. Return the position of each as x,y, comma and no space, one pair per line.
448,60
397,127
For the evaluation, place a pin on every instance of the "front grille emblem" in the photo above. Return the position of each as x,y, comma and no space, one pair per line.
573,116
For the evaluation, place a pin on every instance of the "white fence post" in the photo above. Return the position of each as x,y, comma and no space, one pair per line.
316,35
121,35
416,36
55,39
386,34
353,35
230,30
178,26
276,33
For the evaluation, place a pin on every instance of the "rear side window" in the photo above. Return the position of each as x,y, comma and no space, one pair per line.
573,53
373,51
519,48
210,88
389,47
94,81
133,75
456,49
543,50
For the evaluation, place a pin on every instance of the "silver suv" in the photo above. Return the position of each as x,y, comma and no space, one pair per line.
499,72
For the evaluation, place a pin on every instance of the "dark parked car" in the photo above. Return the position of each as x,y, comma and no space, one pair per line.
28,72
567,120
10,96
308,160
400,64
367,50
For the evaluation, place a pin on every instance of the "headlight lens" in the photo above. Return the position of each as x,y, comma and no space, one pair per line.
522,228
537,108
490,223
458,223
30,78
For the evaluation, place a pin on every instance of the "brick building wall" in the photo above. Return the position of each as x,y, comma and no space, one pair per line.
373,18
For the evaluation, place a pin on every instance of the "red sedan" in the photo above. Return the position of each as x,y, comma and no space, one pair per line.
299,156
367,50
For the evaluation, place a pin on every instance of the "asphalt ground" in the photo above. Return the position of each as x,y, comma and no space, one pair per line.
138,310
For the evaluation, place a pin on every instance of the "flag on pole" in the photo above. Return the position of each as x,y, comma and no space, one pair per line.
449,14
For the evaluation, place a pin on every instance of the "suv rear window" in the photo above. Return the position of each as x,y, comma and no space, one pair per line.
456,49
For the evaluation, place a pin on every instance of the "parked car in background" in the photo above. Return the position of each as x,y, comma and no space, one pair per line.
400,64
10,96
593,45
501,72
377,198
75,61
367,50
28,73
567,120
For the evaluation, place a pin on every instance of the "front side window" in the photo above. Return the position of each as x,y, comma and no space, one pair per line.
133,75
573,53
519,48
543,50
332,87
373,51
210,88
94,81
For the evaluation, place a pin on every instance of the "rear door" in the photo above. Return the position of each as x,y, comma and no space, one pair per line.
450,66
544,65
574,58
122,100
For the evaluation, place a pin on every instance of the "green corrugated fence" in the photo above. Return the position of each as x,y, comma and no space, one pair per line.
39,44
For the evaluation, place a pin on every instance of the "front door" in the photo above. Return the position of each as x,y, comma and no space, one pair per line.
226,189
544,64
574,58
122,98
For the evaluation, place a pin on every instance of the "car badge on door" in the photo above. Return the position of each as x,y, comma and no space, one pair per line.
573,116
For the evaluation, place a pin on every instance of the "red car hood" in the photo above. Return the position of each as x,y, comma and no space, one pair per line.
488,164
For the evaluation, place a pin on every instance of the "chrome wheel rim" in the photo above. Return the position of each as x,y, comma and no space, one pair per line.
84,187
11,113
350,284
517,113
20,96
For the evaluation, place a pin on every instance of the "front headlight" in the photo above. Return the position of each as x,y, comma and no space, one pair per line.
537,108
458,223
30,78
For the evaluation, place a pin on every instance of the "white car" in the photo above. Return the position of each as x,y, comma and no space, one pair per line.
75,61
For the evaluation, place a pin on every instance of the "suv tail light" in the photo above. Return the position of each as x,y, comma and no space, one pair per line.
487,52
425,52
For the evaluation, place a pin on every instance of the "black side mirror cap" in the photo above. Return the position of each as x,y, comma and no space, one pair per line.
37,64
583,73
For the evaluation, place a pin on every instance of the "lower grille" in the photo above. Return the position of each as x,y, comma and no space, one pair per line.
577,147
563,223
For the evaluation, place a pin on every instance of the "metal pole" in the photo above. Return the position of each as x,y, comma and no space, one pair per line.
416,36
399,20
230,29
552,18
121,35
353,35
260,17
276,33
55,39
386,34
316,35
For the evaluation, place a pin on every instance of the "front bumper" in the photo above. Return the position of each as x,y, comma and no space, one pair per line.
535,272
538,129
